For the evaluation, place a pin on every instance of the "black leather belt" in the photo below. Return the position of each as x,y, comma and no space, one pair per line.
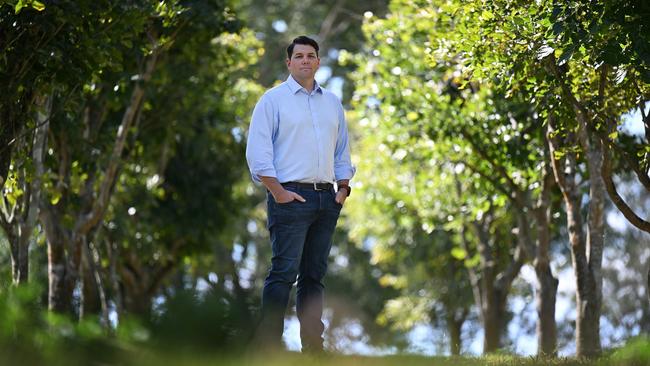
314,186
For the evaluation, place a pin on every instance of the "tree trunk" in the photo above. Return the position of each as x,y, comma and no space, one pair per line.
9,130
455,319
21,265
546,283
586,253
494,323
137,300
545,300
590,290
12,238
59,290
645,318
63,260
90,302
20,225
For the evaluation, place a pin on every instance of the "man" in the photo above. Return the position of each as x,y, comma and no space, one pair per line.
298,147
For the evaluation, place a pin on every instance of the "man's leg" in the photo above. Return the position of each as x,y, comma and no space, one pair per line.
288,227
313,266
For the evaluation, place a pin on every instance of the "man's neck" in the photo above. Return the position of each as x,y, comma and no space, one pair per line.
308,84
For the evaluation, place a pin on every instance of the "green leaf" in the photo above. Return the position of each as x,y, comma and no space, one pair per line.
38,5
19,5
566,56
487,15
55,198
459,253
613,135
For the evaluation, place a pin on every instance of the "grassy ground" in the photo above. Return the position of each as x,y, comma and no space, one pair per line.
635,353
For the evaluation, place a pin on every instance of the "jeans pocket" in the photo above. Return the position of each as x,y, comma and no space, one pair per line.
290,189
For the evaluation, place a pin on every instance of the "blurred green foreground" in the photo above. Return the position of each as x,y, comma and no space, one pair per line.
200,330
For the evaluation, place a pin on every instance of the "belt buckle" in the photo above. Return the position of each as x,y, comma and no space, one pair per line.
316,187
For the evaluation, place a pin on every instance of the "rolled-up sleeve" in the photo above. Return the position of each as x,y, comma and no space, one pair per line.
343,168
259,146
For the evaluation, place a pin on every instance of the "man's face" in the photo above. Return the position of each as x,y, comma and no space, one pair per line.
304,62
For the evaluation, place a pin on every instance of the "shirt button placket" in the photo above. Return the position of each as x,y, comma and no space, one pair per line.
314,123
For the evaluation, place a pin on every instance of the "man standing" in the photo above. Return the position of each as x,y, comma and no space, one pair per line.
298,147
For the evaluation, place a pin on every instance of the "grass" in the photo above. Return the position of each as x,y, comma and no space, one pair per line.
629,357
636,355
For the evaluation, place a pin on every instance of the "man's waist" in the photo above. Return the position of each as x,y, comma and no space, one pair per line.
322,186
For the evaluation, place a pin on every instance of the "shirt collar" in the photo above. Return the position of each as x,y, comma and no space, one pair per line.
295,87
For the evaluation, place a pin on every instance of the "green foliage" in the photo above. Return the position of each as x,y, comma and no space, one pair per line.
31,335
21,4
635,352
203,322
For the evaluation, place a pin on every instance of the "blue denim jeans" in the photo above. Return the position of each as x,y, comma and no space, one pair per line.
301,237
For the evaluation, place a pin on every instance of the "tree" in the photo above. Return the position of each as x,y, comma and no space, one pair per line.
561,57
440,116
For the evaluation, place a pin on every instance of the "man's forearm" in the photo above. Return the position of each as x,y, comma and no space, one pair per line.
273,185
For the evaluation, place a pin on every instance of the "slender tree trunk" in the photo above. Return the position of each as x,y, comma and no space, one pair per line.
491,288
90,302
545,300
546,283
9,130
586,252
455,321
590,291
137,300
21,270
645,317
19,228
63,263
12,238
494,313
59,295
113,252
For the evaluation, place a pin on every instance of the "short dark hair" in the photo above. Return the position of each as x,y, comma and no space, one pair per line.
301,40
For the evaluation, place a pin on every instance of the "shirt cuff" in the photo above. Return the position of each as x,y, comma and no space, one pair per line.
268,172
344,172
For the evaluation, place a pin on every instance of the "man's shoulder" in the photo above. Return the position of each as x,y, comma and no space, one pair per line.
279,90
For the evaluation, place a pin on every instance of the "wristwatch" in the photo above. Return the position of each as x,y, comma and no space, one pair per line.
347,188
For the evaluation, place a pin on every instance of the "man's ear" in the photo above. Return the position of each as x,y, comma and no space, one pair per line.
288,61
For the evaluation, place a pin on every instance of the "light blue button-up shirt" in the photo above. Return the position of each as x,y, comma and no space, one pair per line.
298,136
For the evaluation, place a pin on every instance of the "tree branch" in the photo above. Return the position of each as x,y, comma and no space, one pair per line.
87,221
515,195
606,174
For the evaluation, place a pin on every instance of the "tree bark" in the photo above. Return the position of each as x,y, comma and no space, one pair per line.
90,301
590,293
455,321
59,291
494,314
547,284
142,282
491,288
586,252
20,222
